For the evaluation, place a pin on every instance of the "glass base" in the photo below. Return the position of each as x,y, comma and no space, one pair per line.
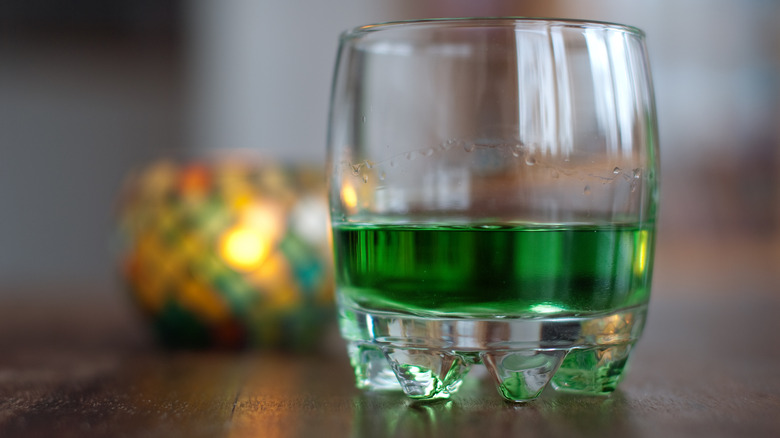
428,358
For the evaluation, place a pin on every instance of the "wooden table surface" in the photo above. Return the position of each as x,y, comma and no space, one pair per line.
76,362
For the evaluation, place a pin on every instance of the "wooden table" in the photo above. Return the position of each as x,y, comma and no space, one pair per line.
75,362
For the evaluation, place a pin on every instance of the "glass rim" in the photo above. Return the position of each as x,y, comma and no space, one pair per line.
466,22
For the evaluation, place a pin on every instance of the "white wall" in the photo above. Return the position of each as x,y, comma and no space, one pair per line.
260,71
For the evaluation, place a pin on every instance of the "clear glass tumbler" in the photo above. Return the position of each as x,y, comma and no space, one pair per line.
493,190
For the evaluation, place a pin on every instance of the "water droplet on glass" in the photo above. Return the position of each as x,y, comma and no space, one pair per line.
368,164
382,176
515,153
637,173
392,163
410,155
469,147
587,190
530,161
363,119
428,152
616,170
365,178
355,169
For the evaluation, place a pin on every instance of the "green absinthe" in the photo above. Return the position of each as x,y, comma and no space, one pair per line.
493,270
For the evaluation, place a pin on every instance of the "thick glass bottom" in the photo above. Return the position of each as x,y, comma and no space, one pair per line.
428,358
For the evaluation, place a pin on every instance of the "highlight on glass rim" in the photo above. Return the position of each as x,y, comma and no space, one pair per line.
493,192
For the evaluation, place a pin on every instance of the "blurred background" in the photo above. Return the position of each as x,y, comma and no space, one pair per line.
90,90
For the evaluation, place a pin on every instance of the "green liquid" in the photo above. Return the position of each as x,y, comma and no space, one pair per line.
481,271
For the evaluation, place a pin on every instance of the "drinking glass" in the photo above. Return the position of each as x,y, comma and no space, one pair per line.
493,191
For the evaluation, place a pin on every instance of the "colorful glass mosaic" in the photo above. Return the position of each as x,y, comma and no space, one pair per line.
228,252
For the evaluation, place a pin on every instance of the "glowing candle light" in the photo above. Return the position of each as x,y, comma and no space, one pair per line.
244,248
349,196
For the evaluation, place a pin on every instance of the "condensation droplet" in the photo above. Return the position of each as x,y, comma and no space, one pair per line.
428,152
355,169
469,147
530,161
637,173
369,165
616,170
365,178
363,119
587,190
382,176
